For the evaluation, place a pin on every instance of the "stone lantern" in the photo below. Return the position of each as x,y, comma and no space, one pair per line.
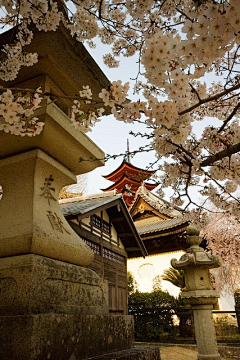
51,305
199,293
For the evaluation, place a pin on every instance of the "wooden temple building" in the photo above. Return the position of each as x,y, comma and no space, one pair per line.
104,223
126,221
159,223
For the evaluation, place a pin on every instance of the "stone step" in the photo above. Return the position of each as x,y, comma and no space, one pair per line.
136,353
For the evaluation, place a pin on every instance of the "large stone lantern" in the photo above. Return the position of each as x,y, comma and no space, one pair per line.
51,305
199,293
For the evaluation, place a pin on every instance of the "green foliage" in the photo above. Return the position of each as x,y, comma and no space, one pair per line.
153,314
157,280
132,284
175,277
158,298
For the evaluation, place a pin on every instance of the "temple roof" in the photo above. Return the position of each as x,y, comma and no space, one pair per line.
133,184
131,171
159,223
113,203
162,206
127,178
85,204
147,226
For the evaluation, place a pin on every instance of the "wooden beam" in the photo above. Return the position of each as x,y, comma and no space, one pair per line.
125,234
132,249
117,219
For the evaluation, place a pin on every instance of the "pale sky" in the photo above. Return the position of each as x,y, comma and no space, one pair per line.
111,135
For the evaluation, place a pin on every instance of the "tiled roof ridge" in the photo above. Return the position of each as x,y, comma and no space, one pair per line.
93,196
144,193
131,166
163,225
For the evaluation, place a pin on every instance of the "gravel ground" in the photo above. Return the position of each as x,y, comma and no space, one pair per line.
175,352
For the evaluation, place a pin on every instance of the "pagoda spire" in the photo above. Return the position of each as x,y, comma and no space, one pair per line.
127,154
128,151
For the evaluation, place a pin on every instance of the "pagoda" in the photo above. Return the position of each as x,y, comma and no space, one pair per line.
127,178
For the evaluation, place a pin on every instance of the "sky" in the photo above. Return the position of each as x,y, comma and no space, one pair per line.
110,134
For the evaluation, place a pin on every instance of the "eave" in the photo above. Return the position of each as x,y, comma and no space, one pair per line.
125,167
125,180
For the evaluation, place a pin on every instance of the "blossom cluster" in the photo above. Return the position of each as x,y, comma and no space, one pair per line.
83,116
179,45
17,113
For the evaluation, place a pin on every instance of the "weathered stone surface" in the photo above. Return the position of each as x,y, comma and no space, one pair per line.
199,293
34,221
137,353
59,139
32,284
63,337
54,310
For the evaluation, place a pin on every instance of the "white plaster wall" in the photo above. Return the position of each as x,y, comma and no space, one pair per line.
144,271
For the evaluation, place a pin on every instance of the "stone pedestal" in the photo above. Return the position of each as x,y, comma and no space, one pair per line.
32,284
199,293
50,309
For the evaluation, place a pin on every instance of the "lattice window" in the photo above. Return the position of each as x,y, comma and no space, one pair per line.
111,255
106,227
95,247
101,224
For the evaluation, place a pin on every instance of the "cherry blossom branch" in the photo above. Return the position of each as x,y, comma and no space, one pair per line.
209,99
47,93
233,113
231,149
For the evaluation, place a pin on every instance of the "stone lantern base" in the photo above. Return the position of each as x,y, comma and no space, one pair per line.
54,310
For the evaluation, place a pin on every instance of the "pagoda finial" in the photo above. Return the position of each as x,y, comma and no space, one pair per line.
128,151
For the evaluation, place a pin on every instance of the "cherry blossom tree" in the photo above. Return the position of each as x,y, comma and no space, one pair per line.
179,44
221,236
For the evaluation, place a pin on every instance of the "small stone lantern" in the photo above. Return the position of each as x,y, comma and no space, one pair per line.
199,293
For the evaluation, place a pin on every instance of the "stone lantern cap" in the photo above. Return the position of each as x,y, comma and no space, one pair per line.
64,66
58,139
195,256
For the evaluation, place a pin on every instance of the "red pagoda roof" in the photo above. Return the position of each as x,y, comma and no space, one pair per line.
126,180
128,187
131,171
132,185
